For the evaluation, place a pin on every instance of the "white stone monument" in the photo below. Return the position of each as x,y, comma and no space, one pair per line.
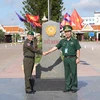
51,65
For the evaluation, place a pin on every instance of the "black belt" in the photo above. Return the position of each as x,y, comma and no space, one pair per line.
71,56
29,57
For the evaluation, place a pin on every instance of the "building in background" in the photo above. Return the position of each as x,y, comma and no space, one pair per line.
90,25
11,31
92,20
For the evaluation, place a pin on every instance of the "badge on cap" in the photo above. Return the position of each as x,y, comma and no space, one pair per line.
30,33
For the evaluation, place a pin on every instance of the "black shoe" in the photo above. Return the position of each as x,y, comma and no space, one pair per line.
66,90
74,91
33,91
29,92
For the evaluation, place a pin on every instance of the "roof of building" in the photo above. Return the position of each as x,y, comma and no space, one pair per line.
96,27
97,12
11,29
88,27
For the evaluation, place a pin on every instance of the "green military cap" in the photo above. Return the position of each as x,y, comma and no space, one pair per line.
67,28
30,33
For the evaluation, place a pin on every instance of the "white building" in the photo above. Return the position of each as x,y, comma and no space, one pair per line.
92,20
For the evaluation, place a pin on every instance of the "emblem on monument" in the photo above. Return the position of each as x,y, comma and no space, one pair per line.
50,30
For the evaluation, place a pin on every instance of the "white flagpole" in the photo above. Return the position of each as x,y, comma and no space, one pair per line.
48,11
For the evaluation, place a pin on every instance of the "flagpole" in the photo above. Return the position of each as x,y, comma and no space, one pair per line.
48,11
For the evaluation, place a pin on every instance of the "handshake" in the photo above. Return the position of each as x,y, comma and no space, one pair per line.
45,53
49,51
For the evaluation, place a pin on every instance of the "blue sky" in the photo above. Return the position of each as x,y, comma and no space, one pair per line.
8,8
85,8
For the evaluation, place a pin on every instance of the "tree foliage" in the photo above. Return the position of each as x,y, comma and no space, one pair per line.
39,7
16,36
2,36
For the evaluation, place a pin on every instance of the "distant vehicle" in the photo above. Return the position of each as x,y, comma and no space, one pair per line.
19,41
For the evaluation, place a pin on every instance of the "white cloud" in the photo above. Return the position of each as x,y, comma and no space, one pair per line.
89,5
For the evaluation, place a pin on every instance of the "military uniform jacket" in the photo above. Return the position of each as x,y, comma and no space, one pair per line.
30,48
70,47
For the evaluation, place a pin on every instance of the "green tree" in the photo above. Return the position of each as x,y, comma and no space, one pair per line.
17,37
2,36
39,7
86,36
56,10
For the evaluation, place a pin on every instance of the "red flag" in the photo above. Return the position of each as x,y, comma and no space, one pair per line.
32,18
76,19
37,24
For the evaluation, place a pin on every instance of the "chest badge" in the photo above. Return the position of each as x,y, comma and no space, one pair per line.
71,43
64,44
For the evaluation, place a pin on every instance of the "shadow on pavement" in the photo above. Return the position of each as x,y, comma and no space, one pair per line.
81,84
54,84
84,62
49,84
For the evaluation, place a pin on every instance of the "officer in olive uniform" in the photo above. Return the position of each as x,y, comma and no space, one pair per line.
71,51
29,50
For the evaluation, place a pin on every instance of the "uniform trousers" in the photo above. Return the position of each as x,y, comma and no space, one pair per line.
28,69
70,69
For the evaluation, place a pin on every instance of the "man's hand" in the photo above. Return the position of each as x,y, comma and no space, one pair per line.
45,53
77,60
49,51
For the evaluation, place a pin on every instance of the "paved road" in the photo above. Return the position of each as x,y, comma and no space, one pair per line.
12,78
11,58
90,53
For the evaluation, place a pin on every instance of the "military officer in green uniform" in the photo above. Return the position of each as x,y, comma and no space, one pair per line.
70,48
29,50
